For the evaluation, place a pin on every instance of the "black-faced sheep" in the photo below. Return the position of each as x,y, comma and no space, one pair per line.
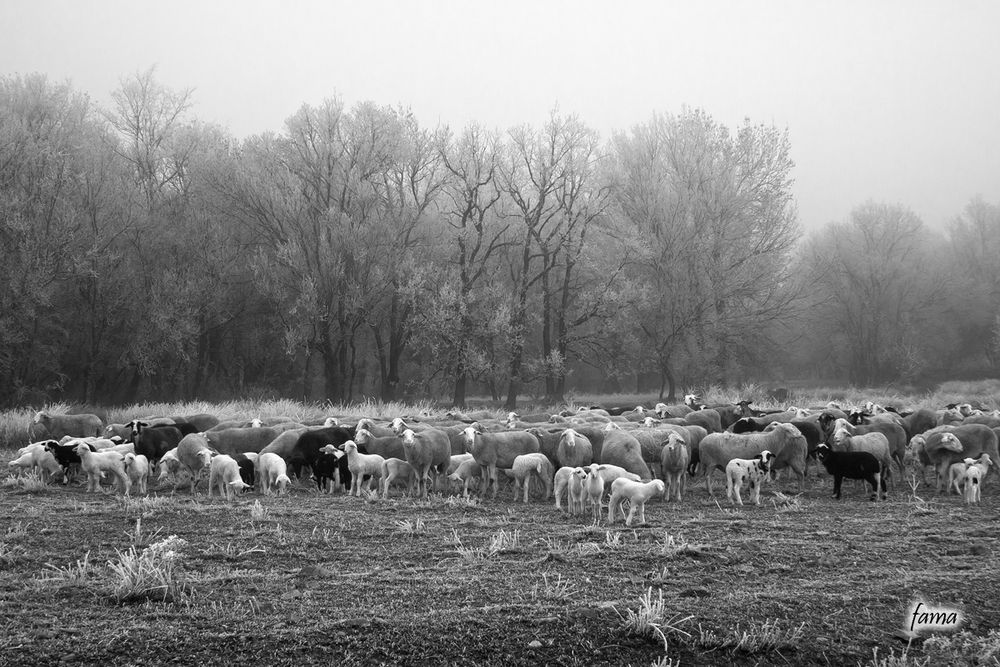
851,465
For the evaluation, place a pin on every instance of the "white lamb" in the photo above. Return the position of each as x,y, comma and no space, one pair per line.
577,491
398,471
637,493
593,489
95,464
974,478
525,466
361,465
137,467
956,476
561,484
467,474
36,457
225,473
272,472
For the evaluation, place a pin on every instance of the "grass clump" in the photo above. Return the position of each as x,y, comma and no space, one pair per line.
651,619
153,574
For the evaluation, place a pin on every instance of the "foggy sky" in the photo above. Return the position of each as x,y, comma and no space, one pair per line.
892,101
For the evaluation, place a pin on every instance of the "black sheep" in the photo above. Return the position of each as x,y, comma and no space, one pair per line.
852,465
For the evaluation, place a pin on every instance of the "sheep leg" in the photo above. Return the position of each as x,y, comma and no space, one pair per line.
642,512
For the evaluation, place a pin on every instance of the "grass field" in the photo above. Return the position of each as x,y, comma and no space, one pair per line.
312,579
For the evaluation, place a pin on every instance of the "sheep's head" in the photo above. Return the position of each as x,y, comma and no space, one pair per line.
365,423
350,447
238,485
950,442
822,451
256,422
569,438
661,410
363,436
965,409
39,416
674,440
513,416
840,435
398,425
204,457
409,438
331,421
690,399
640,410
469,436
766,457
649,422
984,460
800,413
557,419
80,449
660,487
282,481
612,426
331,449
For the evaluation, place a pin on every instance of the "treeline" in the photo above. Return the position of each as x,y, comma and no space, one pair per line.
147,255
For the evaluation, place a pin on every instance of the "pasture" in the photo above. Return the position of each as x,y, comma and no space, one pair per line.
314,579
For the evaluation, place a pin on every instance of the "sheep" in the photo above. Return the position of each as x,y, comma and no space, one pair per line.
527,464
241,440
637,493
576,496
466,474
593,489
561,484
497,450
137,467
944,447
326,470
306,449
623,449
874,443
37,456
397,470
709,419
224,474
361,465
95,464
387,446
674,463
754,471
426,451
956,476
894,433
154,442
248,473
271,471
169,465
457,460
574,450
974,478
194,454
852,465
80,426
786,443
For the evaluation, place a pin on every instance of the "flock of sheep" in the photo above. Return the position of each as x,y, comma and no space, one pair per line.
634,453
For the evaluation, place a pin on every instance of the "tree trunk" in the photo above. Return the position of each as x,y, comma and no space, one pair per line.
461,379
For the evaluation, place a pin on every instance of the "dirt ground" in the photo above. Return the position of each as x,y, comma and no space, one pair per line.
312,579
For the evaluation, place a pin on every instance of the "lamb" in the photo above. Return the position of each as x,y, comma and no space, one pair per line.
753,471
225,475
593,489
326,470
674,463
271,471
525,466
945,447
457,460
637,493
37,456
467,473
80,426
95,464
577,490
137,467
974,478
396,470
361,465
956,476
852,465
561,484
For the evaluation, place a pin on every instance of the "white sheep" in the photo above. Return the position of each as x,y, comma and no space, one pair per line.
974,478
577,491
526,465
95,464
224,472
36,457
561,484
637,493
674,459
137,467
271,471
457,460
956,476
80,426
395,470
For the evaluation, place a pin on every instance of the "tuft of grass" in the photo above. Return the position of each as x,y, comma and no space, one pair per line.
16,530
153,574
29,481
964,648
651,619
77,574
612,540
8,553
257,511
893,660
765,637
501,541
411,528
785,503
555,589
